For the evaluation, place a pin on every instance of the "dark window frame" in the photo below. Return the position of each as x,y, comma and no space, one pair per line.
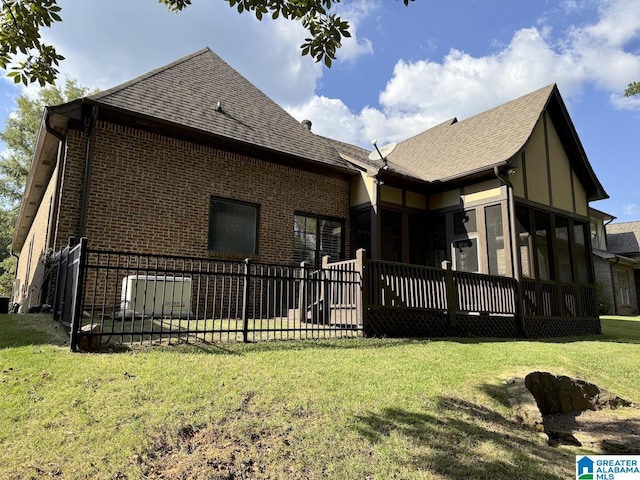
318,218
211,246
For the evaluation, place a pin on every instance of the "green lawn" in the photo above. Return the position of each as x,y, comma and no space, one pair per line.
356,408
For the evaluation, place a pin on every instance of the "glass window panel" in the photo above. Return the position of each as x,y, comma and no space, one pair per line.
305,239
563,253
581,255
391,235
466,254
524,241
233,227
439,230
418,240
362,227
543,246
464,222
495,240
624,290
331,239
315,237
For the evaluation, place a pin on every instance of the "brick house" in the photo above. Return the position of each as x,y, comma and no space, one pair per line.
192,159
616,253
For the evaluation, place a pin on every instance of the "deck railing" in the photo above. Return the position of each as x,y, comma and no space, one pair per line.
128,298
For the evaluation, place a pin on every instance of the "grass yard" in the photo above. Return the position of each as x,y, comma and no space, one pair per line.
343,409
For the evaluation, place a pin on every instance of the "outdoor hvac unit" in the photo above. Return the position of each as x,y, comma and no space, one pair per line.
151,296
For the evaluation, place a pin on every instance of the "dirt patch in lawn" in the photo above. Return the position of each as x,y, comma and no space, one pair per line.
210,453
574,412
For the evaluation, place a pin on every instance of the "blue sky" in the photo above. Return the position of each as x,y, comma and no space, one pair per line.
404,70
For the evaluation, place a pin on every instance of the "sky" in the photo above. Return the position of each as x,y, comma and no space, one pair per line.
405,68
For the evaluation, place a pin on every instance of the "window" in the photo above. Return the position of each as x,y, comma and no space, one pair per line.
524,241
563,252
233,226
466,255
465,241
464,222
495,240
361,224
315,237
624,290
440,246
543,244
581,253
391,235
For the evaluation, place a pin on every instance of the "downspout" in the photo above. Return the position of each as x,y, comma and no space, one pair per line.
56,198
511,208
90,124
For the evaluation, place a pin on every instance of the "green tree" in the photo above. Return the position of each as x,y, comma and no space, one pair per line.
632,89
34,61
20,135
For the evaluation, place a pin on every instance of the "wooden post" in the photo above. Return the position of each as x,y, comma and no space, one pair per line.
452,296
520,308
361,289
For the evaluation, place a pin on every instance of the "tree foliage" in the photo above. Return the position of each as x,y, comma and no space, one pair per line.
20,23
34,61
20,136
632,89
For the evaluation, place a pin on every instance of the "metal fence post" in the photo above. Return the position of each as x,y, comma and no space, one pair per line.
76,310
245,300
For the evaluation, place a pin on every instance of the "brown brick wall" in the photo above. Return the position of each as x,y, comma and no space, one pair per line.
150,194
71,188
602,269
30,274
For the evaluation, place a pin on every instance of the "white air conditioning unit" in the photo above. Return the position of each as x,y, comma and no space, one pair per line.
152,296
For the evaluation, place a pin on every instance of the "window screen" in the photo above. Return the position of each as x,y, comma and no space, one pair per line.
495,240
563,251
466,254
233,226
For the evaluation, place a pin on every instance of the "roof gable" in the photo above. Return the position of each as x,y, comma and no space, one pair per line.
187,92
455,148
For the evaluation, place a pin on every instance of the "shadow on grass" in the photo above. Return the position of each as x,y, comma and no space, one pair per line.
466,440
31,329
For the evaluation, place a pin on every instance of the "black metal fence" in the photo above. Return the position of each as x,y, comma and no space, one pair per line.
116,297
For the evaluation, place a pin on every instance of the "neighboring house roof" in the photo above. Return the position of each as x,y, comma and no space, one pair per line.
624,238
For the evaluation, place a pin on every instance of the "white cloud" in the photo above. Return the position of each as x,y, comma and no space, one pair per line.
424,92
631,210
107,43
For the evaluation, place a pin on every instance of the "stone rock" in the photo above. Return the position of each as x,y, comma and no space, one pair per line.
87,340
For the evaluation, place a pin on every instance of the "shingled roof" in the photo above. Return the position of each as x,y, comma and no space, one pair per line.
186,92
623,238
454,149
